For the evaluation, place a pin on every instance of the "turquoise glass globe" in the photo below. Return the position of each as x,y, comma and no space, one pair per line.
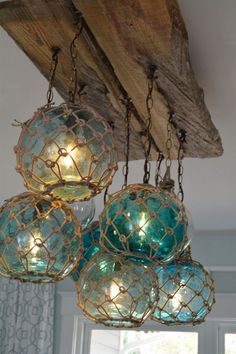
66,151
90,237
145,223
117,292
40,239
186,293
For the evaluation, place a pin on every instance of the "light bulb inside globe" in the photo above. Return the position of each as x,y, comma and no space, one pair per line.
143,224
113,291
41,239
67,152
175,302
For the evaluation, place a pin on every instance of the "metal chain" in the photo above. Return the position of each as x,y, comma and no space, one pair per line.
106,193
158,168
149,105
169,142
182,140
74,54
128,105
52,74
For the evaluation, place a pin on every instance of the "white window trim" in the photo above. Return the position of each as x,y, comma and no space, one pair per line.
74,333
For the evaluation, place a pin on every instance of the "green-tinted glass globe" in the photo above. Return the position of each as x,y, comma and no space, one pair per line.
144,222
40,239
66,151
186,293
90,237
117,292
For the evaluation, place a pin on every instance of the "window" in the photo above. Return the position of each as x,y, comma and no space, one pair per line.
139,342
230,343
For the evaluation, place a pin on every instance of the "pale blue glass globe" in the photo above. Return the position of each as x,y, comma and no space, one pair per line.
186,293
66,151
90,237
117,292
144,222
40,239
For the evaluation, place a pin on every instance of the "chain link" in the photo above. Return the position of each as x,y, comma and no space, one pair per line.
128,104
149,105
74,54
182,140
158,168
169,142
52,74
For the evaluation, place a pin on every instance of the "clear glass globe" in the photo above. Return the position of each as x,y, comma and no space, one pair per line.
66,151
145,223
84,211
40,239
186,293
117,292
191,229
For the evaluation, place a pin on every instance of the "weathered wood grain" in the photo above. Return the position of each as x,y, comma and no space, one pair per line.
121,39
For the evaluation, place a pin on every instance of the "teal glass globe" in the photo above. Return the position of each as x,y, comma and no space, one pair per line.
186,293
66,151
40,239
144,222
117,292
90,237
84,211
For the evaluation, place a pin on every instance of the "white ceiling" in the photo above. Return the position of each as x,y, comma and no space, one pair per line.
209,184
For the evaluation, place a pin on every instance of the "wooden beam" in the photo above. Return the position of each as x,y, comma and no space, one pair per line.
121,39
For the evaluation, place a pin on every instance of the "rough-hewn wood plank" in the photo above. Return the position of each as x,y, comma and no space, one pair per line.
39,25
122,38
136,33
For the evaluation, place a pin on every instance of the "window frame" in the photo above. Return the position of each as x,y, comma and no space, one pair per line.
148,326
225,328
73,330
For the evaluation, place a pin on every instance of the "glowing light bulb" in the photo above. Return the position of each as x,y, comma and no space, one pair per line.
114,290
68,161
176,301
34,249
143,224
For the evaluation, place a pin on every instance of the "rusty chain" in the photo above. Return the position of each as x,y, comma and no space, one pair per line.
151,77
182,140
74,54
128,105
54,62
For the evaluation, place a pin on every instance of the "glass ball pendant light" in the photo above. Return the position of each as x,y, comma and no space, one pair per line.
90,237
84,211
40,239
66,151
144,222
117,292
186,293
